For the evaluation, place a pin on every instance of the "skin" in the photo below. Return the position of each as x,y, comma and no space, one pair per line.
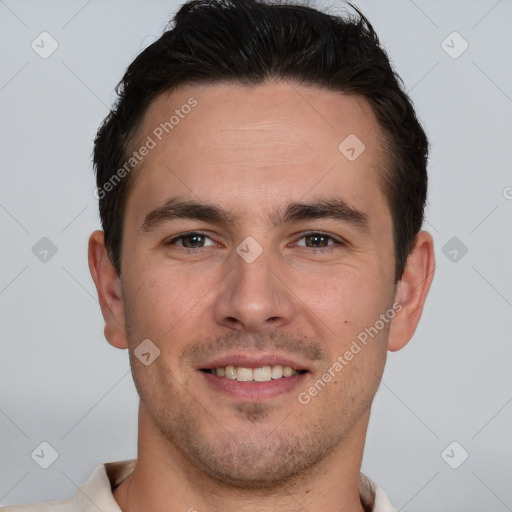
252,150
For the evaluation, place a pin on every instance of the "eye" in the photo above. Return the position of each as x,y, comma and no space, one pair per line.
319,240
191,240
197,240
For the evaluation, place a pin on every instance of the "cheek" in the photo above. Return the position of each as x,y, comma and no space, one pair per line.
150,307
158,387
348,300
344,391
162,302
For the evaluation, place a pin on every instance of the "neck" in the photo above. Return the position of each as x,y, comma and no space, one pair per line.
165,481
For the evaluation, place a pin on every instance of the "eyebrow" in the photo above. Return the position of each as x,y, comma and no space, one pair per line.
329,208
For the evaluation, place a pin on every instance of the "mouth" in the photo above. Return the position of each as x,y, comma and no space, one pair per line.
254,377
260,374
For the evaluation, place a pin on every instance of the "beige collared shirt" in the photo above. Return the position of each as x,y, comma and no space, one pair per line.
96,493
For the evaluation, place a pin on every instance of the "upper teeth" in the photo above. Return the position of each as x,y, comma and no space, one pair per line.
263,374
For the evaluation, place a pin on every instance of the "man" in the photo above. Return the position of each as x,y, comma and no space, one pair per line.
261,184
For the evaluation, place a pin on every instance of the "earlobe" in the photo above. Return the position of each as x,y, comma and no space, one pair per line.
108,287
412,291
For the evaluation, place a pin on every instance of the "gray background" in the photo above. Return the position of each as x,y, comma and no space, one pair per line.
60,381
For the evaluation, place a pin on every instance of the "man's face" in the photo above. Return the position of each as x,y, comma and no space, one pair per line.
275,286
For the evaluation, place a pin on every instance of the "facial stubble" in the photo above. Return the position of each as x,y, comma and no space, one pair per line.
254,445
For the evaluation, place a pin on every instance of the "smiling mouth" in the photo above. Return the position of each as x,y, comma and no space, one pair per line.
261,374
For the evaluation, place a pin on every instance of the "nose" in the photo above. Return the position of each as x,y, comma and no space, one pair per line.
255,295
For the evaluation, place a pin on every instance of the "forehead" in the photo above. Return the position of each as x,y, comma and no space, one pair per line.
256,146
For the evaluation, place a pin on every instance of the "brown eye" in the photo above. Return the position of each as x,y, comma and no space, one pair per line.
316,240
192,240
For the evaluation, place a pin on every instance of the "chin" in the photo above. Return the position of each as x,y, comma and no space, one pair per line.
254,458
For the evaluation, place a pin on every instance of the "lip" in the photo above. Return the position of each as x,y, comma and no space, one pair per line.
253,391
254,360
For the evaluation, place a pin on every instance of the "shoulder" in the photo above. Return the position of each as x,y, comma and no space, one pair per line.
52,506
94,495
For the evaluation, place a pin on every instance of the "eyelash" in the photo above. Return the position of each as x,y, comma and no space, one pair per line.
337,242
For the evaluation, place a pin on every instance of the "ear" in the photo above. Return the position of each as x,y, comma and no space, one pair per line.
412,290
108,286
